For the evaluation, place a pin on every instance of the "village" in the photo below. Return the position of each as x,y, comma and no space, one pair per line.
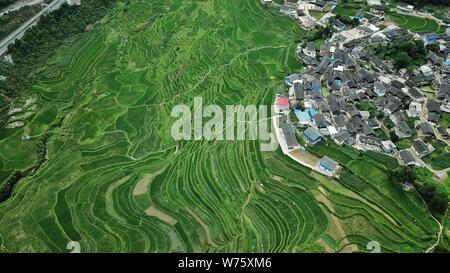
349,95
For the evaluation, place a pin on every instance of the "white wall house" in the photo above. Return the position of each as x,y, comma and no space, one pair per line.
415,109
405,7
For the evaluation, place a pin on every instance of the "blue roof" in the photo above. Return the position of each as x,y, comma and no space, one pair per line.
338,82
339,25
311,134
302,115
328,163
432,36
312,112
316,86
291,78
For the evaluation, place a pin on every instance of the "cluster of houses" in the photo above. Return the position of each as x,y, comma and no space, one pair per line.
282,106
343,74
299,10
401,7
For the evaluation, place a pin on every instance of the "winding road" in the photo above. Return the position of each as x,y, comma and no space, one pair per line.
18,33
19,4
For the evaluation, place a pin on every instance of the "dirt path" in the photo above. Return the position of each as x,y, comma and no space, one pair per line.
247,201
385,129
327,248
425,16
440,175
204,226
337,223
304,6
441,227
303,157
338,187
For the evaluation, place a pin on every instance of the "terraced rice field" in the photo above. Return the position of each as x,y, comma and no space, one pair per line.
416,24
439,159
317,14
115,180
346,11
445,120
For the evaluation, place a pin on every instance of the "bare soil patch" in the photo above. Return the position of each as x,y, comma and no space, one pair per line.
142,186
204,226
155,212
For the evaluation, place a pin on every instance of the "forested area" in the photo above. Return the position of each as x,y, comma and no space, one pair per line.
404,54
39,43
434,196
13,19
425,2
5,3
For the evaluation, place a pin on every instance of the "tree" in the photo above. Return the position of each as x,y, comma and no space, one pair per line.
436,198
320,33
394,137
402,60
404,54
439,202
402,175
5,3
347,20
421,3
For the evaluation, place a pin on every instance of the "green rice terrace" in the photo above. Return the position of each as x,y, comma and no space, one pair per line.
115,180
416,24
